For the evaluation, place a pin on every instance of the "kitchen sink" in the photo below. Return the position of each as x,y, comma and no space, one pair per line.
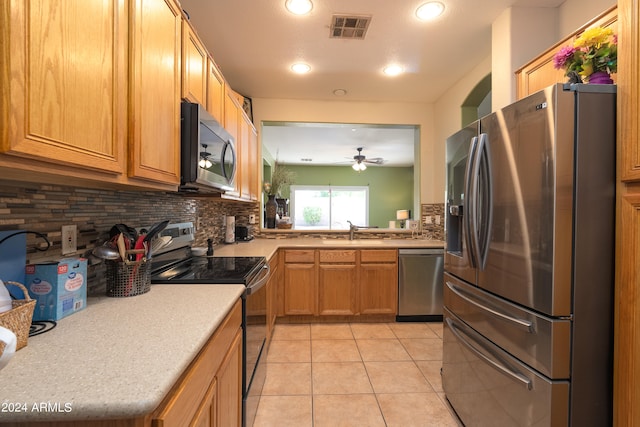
356,242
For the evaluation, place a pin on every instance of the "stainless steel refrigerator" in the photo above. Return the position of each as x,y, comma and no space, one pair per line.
529,262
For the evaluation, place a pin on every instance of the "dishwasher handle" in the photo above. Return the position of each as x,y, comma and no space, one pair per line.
421,251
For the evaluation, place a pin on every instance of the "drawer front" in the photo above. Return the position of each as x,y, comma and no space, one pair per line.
488,387
299,255
337,256
541,342
378,255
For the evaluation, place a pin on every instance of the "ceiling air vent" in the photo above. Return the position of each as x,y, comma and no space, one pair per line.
349,26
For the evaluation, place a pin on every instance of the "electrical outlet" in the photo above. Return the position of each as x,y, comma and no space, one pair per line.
427,219
252,219
69,239
437,219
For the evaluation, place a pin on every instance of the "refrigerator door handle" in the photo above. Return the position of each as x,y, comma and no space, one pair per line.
520,378
470,194
521,323
484,159
474,193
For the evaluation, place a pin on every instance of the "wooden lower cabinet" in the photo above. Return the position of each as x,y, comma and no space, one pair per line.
206,414
299,289
335,282
272,294
299,282
379,281
229,382
210,392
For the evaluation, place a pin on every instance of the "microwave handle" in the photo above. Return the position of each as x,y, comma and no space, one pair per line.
228,148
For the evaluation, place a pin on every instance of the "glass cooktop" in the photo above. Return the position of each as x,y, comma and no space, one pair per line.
196,270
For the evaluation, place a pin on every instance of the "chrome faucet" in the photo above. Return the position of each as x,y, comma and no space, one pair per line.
352,230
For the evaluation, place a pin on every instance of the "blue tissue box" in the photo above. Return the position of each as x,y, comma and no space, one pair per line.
59,288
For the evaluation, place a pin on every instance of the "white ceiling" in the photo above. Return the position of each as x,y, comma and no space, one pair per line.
254,42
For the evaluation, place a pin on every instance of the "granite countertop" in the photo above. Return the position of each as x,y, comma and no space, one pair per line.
268,247
118,358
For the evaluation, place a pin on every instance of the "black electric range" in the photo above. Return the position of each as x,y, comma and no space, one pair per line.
179,266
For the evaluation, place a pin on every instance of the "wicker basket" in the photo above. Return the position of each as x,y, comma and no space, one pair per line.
18,319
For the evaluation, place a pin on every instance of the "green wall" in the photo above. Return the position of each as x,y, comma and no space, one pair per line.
390,188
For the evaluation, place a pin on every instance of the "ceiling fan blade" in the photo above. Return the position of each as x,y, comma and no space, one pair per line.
374,160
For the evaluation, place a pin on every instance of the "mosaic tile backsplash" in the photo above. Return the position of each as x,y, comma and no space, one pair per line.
46,208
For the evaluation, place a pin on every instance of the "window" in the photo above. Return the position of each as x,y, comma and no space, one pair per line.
321,207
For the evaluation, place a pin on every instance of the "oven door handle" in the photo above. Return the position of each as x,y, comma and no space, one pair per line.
258,283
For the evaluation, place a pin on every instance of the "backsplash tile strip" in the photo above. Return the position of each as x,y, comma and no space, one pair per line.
45,208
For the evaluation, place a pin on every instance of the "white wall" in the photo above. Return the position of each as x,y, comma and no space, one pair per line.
573,14
518,35
447,119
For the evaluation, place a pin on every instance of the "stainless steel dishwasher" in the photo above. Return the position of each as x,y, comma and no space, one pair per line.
420,277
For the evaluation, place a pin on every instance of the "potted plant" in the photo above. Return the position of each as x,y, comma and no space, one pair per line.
593,56
281,179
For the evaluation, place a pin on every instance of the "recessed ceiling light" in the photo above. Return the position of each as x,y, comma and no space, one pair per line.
393,70
299,7
430,10
340,92
300,68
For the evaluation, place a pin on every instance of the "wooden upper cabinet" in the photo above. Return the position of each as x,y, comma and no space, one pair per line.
215,92
245,152
254,162
194,66
155,48
232,126
540,72
64,83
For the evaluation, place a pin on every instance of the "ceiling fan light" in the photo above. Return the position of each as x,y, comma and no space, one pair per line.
359,167
430,10
299,7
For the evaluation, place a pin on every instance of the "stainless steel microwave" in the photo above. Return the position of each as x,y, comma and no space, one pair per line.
208,155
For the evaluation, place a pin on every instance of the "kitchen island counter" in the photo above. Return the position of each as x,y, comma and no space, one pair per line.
118,358
268,247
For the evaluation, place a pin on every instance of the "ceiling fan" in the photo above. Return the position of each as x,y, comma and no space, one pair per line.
360,161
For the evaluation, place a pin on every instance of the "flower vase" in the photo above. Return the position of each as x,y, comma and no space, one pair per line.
600,78
271,207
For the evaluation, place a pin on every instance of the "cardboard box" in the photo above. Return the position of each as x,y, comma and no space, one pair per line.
60,288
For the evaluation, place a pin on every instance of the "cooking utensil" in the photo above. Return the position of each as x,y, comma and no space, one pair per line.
121,247
155,230
130,233
160,243
105,252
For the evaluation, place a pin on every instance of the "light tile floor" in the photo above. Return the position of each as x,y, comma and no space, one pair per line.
355,374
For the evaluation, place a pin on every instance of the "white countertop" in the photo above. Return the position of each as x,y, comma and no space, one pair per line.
268,247
117,358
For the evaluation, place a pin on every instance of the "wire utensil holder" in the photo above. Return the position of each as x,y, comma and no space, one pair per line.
128,278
